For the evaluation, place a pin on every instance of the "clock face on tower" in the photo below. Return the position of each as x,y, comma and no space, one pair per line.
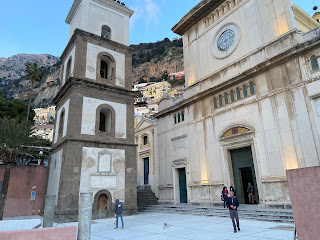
226,40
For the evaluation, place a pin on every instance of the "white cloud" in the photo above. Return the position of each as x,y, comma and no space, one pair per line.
147,10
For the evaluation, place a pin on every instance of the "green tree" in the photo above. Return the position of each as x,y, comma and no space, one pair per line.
14,137
14,109
36,74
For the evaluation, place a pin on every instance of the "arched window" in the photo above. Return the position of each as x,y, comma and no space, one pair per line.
182,116
252,91
226,100
68,70
145,140
61,123
175,119
314,63
232,96
245,91
105,121
179,117
238,94
220,101
106,32
106,67
215,104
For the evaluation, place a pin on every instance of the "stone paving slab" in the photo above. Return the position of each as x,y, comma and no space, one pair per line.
150,226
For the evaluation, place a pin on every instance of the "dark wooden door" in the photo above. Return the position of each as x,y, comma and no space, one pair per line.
243,172
146,170
183,185
102,207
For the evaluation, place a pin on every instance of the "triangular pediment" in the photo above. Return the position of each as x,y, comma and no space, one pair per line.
144,123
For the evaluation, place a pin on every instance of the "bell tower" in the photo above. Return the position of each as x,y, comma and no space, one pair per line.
93,145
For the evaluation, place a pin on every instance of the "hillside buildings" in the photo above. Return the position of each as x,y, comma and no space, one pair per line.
45,115
152,94
155,91
251,106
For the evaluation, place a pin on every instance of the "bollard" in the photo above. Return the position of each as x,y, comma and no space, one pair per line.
48,215
85,216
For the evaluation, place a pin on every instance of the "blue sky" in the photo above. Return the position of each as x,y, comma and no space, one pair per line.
37,26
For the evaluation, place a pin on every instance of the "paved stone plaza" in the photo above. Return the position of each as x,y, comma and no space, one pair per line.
150,226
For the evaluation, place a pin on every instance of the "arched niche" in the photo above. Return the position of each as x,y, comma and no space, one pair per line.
61,123
102,205
68,69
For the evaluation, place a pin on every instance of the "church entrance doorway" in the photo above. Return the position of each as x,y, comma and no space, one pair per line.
183,185
146,170
243,173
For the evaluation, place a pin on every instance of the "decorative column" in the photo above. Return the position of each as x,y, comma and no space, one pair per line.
85,216
48,215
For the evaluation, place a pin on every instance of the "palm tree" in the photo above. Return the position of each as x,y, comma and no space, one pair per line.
14,136
35,74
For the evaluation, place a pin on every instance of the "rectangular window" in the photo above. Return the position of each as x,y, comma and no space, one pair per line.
245,91
232,96
226,100
220,101
252,91
238,94
215,104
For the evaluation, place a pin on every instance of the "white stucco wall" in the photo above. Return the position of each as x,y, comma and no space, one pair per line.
91,16
93,180
259,22
54,175
65,106
91,63
72,55
80,19
89,109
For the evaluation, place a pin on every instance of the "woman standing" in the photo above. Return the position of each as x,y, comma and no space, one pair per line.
224,195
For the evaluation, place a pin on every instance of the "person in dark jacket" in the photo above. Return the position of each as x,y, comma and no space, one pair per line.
233,204
224,195
233,190
118,212
250,192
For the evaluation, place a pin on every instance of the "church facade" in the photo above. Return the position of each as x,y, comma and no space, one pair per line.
93,145
251,107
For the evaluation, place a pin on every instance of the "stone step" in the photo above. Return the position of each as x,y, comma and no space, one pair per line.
255,213
258,218
242,208
145,197
284,216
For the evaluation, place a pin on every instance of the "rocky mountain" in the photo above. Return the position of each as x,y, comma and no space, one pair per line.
151,61
13,67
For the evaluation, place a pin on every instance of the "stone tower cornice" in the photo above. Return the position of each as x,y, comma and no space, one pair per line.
109,3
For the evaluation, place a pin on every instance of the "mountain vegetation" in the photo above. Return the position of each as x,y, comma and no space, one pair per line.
152,62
